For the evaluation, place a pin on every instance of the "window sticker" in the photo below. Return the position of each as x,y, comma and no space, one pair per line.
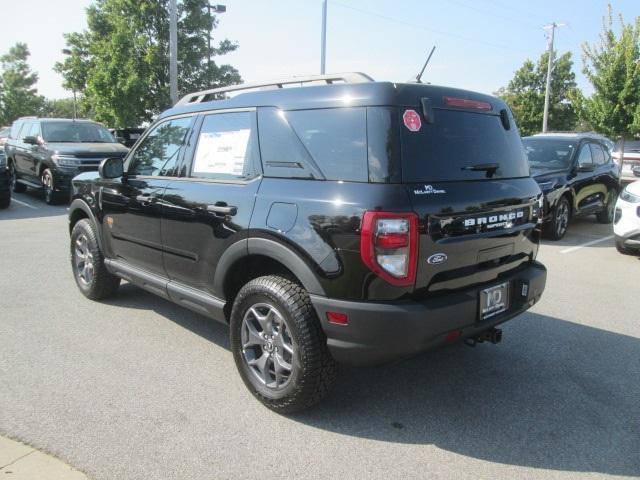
222,152
412,120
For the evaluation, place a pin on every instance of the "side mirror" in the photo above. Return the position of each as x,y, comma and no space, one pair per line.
636,171
586,167
31,140
111,168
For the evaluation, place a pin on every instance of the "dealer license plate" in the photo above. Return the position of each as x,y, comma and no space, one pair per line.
494,300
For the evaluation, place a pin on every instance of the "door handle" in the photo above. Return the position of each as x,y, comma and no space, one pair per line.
224,209
146,199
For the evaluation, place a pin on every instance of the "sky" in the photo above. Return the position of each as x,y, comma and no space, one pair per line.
479,43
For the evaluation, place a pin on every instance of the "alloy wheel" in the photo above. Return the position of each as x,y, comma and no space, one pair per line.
12,176
83,259
47,183
562,218
267,345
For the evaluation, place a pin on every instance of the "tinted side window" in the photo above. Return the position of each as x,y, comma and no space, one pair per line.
24,130
227,147
158,154
283,154
383,145
34,131
598,155
584,157
15,128
336,139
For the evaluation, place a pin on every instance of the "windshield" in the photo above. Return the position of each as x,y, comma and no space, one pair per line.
549,153
449,148
76,132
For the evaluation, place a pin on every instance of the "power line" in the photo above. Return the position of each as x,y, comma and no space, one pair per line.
516,10
431,30
493,14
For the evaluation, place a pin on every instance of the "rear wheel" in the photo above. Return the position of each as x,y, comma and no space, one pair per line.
278,345
13,180
87,262
622,248
606,215
560,220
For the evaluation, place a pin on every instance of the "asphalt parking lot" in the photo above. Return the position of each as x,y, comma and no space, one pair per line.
138,388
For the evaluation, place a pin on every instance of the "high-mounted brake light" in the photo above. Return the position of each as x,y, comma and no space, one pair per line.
389,245
468,104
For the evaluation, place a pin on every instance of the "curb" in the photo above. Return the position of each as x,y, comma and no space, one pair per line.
22,462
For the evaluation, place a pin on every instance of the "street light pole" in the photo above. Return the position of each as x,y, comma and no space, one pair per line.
547,91
173,52
323,41
216,9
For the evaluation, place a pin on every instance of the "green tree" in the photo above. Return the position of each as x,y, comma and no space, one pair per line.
612,66
18,93
58,108
525,94
121,63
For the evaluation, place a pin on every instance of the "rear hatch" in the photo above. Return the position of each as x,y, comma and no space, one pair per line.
467,176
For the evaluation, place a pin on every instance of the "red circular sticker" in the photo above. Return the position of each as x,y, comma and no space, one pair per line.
412,120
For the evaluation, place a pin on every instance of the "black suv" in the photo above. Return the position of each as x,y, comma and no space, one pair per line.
355,222
577,176
46,153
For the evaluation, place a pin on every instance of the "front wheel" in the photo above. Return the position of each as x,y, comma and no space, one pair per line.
560,220
606,215
278,345
5,202
87,262
50,196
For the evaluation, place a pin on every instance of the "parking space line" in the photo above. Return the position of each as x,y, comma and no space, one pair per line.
586,244
24,203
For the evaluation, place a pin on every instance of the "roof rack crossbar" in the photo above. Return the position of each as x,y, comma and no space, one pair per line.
199,97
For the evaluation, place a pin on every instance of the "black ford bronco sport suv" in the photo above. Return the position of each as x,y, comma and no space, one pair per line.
351,222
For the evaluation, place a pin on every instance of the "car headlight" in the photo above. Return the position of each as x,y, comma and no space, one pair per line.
629,197
65,160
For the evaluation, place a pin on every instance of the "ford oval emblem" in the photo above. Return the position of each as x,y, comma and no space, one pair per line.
437,258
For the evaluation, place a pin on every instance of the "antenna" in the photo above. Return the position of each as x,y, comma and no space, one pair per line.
419,76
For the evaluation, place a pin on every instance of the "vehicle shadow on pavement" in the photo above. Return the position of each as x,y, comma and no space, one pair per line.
31,204
554,395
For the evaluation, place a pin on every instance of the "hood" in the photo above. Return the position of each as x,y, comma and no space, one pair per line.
87,149
544,175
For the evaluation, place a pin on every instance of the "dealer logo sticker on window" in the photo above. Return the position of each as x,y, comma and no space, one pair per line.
412,120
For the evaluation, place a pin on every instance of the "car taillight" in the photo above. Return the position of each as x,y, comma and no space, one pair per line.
389,245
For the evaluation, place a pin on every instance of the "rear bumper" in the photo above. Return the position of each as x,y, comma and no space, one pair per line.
381,332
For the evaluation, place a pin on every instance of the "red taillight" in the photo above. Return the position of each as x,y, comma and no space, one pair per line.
468,104
389,245
338,318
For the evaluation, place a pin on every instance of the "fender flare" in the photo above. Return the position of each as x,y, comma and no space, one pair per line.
268,248
78,204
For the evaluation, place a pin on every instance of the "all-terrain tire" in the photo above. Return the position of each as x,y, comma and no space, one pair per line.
96,283
313,370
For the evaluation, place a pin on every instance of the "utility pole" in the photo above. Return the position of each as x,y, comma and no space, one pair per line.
173,52
323,40
547,91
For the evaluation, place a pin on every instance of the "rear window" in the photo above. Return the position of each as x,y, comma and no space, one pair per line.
440,151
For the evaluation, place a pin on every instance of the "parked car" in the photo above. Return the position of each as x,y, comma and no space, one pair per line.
374,221
626,224
630,158
577,177
4,134
5,190
127,136
46,153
